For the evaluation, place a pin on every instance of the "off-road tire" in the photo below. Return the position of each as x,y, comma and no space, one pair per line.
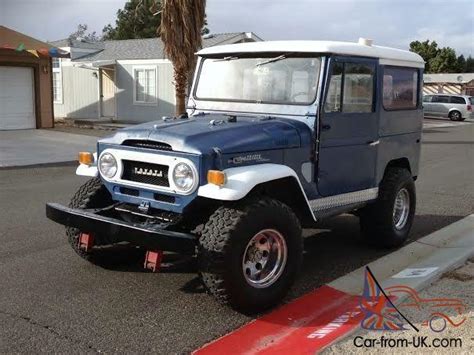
376,219
222,245
92,194
456,116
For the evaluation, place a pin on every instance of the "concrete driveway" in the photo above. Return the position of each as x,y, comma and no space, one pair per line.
39,147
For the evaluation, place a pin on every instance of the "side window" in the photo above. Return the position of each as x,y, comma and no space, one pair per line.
400,88
351,88
441,99
358,94
457,100
427,98
333,99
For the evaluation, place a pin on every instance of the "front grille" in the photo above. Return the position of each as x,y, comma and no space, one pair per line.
146,173
147,144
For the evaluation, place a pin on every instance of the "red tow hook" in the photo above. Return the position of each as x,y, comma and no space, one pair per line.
153,260
86,241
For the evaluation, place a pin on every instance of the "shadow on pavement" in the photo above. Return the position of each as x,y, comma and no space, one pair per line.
331,251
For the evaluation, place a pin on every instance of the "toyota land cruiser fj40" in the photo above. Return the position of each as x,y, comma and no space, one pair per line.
278,136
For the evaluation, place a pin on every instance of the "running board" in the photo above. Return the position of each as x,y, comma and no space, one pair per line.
326,206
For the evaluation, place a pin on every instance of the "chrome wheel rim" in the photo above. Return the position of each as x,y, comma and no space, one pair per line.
401,209
264,258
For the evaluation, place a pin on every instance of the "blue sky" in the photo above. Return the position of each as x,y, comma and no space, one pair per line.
391,23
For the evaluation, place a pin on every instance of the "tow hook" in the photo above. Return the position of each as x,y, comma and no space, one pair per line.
86,241
153,260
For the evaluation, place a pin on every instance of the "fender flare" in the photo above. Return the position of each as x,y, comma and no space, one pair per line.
88,170
241,180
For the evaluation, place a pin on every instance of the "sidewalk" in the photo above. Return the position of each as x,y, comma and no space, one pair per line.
42,147
458,284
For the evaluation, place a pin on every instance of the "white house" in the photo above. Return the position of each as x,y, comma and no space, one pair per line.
123,80
449,83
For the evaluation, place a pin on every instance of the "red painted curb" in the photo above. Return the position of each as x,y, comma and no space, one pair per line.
303,326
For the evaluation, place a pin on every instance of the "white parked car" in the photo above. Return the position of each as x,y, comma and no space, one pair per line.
454,107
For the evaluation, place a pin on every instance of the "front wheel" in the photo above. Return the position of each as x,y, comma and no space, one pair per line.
387,222
250,253
92,194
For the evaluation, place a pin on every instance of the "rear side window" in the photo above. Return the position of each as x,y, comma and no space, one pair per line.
400,88
351,88
441,99
457,100
471,100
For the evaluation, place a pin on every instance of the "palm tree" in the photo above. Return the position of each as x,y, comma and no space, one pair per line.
180,31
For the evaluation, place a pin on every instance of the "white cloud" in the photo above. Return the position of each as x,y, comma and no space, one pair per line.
390,23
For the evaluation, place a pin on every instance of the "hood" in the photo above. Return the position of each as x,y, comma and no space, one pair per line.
231,134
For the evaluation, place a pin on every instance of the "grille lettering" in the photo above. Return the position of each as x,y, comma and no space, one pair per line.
148,172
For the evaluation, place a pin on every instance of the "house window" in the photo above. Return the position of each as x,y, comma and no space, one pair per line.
56,63
144,85
57,82
400,88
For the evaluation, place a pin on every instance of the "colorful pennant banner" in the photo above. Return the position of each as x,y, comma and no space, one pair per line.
33,51
52,52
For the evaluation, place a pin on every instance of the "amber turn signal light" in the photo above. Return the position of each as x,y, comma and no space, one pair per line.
86,158
216,177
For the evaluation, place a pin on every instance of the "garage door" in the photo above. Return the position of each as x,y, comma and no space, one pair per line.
17,109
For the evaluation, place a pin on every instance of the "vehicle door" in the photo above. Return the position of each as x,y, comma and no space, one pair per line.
428,105
441,105
348,131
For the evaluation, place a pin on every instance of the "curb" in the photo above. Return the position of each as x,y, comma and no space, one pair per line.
454,242
330,313
40,165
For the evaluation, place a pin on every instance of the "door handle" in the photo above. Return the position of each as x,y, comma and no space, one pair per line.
325,127
373,143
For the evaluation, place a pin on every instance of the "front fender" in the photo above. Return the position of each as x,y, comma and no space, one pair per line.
88,170
240,181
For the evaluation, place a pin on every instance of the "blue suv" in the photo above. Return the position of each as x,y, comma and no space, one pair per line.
278,136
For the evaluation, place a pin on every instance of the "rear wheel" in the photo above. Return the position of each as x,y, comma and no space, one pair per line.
388,221
455,116
92,194
250,253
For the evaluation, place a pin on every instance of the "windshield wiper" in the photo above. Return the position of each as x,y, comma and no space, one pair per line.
276,59
225,59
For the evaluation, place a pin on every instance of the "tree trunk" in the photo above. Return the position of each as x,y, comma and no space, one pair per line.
181,82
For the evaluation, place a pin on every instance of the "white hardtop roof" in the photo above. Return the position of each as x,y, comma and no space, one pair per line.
345,48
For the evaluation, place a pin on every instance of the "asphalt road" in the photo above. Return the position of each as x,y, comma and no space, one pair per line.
52,301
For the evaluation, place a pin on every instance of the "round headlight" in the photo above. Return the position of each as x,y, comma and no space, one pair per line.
107,165
183,177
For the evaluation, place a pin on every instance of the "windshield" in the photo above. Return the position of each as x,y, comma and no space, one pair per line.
273,80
